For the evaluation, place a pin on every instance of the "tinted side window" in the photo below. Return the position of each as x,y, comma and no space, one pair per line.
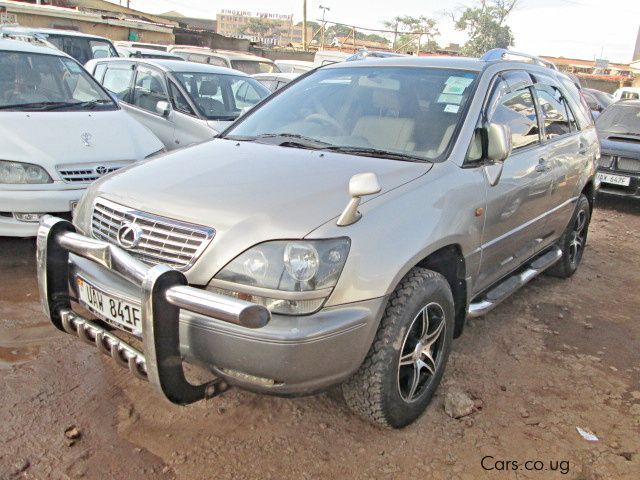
518,111
118,80
629,96
578,104
149,89
219,62
554,111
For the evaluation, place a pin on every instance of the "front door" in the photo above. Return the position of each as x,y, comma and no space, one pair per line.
518,201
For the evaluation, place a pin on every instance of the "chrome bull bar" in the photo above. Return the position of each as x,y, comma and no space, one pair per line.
165,292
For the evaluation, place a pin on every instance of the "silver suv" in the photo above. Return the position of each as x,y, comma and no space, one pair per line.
338,234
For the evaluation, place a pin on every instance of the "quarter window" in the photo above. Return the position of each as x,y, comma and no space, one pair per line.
554,111
99,72
179,102
149,90
118,81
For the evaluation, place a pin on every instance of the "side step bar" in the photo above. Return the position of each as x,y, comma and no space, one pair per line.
497,294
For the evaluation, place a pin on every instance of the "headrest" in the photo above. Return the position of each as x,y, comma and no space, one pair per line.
209,87
388,101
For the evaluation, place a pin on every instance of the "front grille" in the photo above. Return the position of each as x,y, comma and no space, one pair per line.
86,173
605,161
163,240
628,164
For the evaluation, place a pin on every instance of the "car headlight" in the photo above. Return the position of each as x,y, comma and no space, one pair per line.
291,277
22,173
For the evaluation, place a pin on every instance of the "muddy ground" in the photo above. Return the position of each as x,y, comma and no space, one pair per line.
556,356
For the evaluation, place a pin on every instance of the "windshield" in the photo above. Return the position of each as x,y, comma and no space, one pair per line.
221,97
400,110
31,81
83,49
251,67
620,119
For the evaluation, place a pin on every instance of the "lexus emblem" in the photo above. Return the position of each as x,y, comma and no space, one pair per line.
86,139
101,170
129,235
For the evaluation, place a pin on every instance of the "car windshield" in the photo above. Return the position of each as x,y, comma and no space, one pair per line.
620,118
31,81
251,67
83,49
401,111
221,97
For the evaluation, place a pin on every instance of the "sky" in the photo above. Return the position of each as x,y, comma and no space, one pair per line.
584,29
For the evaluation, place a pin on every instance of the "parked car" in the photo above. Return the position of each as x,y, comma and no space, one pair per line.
60,130
148,46
275,81
619,166
137,52
81,46
597,100
294,66
249,64
339,233
327,57
627,93
181,102
365,53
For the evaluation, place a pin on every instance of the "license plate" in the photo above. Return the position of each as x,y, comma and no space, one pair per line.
118,312
614,179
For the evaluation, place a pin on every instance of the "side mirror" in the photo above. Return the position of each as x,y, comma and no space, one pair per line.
360,185
163,108
498,142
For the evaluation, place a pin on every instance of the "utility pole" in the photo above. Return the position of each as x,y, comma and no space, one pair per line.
324,25
304,25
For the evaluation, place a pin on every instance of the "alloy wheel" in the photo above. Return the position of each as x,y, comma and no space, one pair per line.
420,355
577,238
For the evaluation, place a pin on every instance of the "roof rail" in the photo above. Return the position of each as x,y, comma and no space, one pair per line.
26,36
500,54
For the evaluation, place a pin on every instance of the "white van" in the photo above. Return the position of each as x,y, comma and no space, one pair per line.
60,130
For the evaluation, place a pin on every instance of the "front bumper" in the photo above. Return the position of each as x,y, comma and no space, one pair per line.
287,356
632,190
164,294
32,201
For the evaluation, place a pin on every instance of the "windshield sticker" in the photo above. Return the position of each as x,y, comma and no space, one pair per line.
457,85
452,108
450,98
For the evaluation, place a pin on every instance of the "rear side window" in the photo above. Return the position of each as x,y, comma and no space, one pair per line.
99,71
554,111
518,111
118,81
579,104
218,62
629,95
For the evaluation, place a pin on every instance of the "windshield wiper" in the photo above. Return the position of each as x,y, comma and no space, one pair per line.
286,140
376,152
54,105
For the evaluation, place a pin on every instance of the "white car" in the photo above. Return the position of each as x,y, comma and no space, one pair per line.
627,93
294,66
181,102
245,62
275,81
60,130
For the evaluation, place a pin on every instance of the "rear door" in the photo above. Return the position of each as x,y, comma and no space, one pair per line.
189,128
517,203
567,149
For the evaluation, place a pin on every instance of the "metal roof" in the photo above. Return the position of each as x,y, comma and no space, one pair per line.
176,65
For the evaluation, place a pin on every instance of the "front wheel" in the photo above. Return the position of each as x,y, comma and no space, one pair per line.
405,364
573,240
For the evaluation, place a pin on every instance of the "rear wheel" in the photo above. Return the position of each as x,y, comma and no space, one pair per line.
405,364
573,241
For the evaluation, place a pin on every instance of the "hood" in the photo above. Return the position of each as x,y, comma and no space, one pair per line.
620,144
247,192
52,138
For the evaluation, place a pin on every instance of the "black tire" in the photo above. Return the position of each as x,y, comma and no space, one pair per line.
381,390
573,241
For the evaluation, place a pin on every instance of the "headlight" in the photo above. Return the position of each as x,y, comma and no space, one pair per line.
21,173
288,277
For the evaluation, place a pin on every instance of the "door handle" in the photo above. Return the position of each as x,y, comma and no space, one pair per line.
584,148
542,166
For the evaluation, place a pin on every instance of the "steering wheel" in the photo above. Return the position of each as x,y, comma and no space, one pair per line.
325,120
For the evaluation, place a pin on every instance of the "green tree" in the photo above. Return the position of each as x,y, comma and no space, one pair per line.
485,25
412,32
